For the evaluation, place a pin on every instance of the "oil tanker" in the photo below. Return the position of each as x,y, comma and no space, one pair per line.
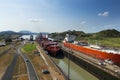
50,46
95,51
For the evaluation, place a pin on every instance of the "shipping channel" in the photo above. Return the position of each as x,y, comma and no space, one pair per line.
75,71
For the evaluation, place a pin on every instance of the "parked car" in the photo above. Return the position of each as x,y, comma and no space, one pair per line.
27,60
45,71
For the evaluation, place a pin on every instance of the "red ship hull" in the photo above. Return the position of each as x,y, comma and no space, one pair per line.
95,53
52,47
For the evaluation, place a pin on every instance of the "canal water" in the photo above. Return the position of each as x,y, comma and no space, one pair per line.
76,72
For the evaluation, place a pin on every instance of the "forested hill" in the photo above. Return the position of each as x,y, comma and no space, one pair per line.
109,37
7,34
103,33
76,33
108,33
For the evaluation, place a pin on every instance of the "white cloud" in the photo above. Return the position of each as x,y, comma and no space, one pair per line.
109,25
104,14
112,26
99,14
36,20
82,22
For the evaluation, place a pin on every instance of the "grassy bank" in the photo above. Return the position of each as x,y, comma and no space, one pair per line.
29,48
36,60
3,48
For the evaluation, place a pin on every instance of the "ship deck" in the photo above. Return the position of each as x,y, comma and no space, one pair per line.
55,72
110,68
104,50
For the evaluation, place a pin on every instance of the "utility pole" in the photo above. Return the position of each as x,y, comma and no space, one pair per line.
69,63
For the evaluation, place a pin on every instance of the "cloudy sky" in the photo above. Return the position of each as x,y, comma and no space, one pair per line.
59,15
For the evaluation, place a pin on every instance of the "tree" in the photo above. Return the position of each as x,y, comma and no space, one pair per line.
8,40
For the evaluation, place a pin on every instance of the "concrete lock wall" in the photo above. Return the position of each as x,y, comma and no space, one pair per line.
102,75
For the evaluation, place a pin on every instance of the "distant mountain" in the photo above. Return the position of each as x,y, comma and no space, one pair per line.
7,34
11,34
26,32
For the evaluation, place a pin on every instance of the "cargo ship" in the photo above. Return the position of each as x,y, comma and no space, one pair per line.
50,46
113,56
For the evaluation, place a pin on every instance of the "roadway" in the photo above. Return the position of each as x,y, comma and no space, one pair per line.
30,68
32,74
10,69
9,72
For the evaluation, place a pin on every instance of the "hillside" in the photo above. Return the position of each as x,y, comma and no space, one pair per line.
12,34
7,34
108,33
109,37
63,34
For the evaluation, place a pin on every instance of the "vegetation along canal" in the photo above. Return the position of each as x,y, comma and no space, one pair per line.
75,71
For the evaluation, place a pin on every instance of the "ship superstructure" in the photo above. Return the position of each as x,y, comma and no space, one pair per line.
51,47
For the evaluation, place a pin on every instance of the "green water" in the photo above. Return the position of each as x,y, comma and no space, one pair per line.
76,72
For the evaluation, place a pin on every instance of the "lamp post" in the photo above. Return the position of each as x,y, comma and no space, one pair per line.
68,55
69,63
